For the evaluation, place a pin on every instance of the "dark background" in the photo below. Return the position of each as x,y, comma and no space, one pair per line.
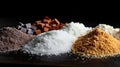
88,20
85,13
89,13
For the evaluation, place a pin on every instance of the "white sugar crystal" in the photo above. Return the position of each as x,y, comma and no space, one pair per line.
30,31
19,27
53,42
28,25
77,29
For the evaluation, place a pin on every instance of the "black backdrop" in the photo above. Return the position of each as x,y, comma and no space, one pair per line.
90,17
88,20
91,14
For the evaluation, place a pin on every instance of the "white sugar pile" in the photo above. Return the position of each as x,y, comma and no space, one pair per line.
77,29
110,29
50,43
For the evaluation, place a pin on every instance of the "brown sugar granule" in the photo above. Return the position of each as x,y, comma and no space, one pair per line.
96,44
12,39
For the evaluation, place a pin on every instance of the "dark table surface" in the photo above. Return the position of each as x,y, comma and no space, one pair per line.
64,60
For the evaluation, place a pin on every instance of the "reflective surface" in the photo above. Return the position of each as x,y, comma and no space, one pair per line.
61,60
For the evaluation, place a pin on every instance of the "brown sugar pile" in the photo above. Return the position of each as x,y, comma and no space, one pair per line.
12,39
96,44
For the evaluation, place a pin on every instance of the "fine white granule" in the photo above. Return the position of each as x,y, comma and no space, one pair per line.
77,29
117,35
110,29
53,42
